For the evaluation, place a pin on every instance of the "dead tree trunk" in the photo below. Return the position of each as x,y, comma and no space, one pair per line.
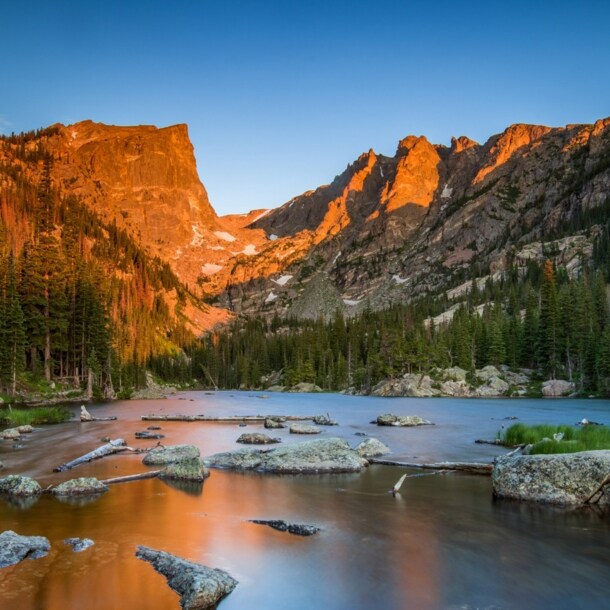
115,446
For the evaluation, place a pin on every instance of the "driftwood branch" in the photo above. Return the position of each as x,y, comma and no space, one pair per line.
151,474
599,490
470,467
115,446
228,418
495,441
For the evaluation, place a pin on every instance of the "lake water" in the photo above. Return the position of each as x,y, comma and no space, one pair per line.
443,543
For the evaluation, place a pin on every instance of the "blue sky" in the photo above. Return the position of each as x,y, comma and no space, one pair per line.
281,96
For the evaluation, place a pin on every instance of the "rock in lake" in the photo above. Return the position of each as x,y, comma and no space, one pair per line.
402,420
298,529
199,587
304,429
324,420
25,429
256,438
82,486
10,434
160,456
321,455
557,387
84,414
273,424
79,544
564,479
145,434
17,485
15,548
191,469
371,447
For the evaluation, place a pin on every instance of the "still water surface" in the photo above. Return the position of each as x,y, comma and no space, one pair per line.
443,543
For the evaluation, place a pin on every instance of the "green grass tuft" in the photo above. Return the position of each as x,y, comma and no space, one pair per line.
35,416
585,438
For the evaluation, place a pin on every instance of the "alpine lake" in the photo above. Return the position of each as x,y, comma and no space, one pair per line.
443,542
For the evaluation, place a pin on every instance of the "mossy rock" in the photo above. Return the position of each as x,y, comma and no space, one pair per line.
191,469
80,487
17,485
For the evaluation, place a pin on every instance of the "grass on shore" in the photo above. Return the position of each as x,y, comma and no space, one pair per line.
34,416
585,438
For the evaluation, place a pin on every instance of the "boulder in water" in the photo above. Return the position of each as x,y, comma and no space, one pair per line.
160,456
199,587
15,548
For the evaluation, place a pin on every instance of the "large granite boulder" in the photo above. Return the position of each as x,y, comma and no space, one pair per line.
410,384
494,386
455,373
389,419
82,486
563,479
372,447
191,469
455,388
320,455
161,456
15,548
557,387
273,424
487,372
17,485
10,434
305,387
199,587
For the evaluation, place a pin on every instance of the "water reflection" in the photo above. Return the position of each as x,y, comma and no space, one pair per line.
442,543
194,488
19,502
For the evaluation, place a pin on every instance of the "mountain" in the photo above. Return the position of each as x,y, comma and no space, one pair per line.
428,219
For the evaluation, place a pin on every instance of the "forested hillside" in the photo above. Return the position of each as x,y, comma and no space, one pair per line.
535,318
80,301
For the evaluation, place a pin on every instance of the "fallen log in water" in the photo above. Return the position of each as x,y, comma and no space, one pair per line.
495,441
151,474
228,418
115,446
470,467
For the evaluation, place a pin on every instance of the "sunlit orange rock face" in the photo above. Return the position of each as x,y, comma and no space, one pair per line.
417,176
501,148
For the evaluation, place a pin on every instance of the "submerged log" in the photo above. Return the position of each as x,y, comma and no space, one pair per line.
115,446
495,441
228,418
151,474
469,467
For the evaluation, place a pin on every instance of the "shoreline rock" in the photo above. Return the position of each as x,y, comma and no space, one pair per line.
79,544
564,479
199,586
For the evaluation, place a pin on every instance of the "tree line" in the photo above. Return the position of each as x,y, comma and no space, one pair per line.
535,318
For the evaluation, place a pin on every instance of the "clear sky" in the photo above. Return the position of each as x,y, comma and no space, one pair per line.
281,96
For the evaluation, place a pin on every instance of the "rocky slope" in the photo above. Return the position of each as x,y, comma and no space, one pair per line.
389,228
386,229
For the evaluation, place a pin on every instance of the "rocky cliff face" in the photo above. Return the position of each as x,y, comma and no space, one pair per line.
390,228
145,179
386,229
